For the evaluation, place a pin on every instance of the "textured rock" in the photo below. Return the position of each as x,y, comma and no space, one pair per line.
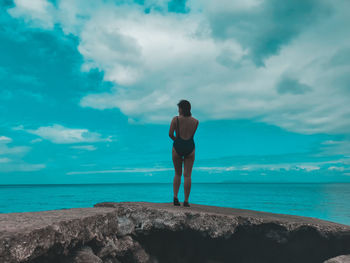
159,232
339,259
27,236
85,255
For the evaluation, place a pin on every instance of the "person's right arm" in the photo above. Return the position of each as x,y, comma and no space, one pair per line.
196,127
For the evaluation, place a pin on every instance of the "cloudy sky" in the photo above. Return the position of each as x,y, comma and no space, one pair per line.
88,89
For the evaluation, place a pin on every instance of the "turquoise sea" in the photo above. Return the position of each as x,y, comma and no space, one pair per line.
328,201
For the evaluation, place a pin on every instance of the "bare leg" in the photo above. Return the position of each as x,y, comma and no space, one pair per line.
177,160
188,164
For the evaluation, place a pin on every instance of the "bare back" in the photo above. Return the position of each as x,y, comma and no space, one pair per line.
188,126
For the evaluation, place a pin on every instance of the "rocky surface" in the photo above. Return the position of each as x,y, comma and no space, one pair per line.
339,259
159,232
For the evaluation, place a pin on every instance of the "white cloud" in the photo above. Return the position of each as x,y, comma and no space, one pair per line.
14,150
38,13
21,167
84,147
269,167
15,163
63,135
220,6
336,168
309,167
159,58
333,147
18,128
5,160
36,140
4,139
175,57
127,170
306,167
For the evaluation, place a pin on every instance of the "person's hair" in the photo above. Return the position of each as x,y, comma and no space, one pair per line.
186,107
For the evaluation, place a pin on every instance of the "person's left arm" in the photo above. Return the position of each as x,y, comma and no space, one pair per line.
172,129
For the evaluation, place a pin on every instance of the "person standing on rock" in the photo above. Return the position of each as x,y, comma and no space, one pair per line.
183,148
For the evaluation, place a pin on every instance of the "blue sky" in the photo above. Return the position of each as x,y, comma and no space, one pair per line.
88,89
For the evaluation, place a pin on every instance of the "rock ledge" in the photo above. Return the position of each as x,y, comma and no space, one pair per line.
159,232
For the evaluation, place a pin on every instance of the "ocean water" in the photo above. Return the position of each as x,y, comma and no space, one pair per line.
327,201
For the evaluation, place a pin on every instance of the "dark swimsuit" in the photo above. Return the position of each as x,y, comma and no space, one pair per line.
183,147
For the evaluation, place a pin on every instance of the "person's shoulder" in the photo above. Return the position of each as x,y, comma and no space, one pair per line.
195,120
174,118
